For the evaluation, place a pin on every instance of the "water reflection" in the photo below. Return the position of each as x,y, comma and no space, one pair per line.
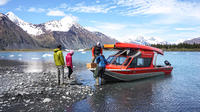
123,96
39,66
33,67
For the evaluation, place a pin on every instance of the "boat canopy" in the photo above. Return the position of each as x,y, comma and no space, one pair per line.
132,46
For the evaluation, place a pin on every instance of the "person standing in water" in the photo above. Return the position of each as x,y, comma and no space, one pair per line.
101,61
69,63
59,62
96,51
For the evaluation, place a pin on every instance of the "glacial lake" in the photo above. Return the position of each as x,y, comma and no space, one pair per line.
178,92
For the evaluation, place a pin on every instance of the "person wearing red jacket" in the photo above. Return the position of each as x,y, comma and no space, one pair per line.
96,51
69,63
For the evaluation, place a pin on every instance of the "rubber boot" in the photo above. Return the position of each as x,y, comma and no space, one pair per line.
97,81
102,81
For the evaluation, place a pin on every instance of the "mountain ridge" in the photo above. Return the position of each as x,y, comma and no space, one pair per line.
193,41
66,32
146,40
12,36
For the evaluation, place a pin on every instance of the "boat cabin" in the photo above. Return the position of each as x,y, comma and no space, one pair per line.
132,56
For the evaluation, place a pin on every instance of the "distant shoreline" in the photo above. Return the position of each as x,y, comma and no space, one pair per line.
181,49
25,50
36,50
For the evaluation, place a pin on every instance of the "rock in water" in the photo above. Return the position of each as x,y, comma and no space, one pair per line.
46,100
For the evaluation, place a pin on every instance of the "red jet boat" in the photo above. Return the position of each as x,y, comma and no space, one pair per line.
133,61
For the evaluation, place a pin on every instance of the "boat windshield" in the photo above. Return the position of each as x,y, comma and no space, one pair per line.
119,60
110,59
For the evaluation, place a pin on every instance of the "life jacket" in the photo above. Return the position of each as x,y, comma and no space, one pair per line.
97,50
101,61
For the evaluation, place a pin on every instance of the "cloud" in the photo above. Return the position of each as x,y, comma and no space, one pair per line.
111,26
185,29
37,10
70,18
19,8
92,29
97,1
114,30
121,31
56,13
63,5
91,9
146,7
163,7
4,2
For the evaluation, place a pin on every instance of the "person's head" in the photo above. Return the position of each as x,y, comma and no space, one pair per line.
59,46
72,52
98,44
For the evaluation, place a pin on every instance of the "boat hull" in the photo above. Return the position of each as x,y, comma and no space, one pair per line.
129,75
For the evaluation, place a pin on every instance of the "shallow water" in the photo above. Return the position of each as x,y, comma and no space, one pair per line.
178,92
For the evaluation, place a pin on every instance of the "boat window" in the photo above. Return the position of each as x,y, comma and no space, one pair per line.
110,59
119,60
140,62
133,63
147,62
127,61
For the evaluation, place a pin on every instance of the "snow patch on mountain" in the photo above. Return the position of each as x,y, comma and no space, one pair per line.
61,25
57,25
146,40
28,27
1,15
179,41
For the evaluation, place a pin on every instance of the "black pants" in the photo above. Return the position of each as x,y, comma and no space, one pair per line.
69,71
100,72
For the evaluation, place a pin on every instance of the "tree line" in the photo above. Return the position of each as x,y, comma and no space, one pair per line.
177,46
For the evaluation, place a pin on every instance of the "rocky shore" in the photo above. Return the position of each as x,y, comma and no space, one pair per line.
37,91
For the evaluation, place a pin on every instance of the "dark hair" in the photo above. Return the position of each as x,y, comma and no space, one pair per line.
59,46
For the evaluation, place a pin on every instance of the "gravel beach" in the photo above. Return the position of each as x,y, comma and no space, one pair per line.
23,90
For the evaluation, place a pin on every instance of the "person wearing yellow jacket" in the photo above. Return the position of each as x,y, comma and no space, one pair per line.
59,62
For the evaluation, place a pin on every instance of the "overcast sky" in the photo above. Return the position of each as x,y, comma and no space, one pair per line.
170,20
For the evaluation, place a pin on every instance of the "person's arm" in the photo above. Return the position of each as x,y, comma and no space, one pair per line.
62,58
54,57
97,60
93,52
70,60
66,59
105,61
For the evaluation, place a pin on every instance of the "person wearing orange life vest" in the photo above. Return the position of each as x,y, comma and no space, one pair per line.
96,51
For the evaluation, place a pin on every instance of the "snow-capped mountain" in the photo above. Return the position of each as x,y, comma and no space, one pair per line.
66,32
37,29
61,25
192,41
28,27
180,41
14,37
146,40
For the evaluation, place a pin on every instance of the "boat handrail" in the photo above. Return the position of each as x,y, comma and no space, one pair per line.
136,54
121,53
